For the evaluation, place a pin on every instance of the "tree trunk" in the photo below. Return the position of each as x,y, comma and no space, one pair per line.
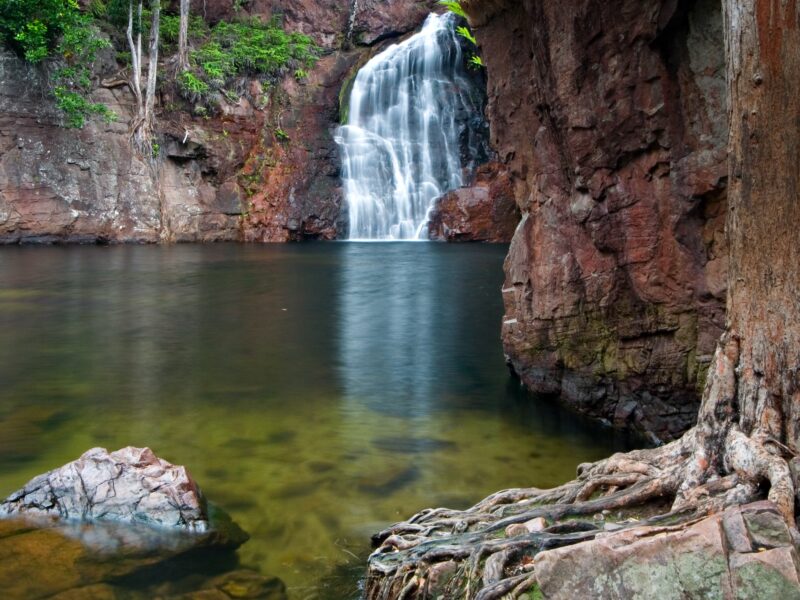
748,422
142,124
183,34
152,68
136,56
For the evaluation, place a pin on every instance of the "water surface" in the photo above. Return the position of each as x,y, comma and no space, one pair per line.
317,392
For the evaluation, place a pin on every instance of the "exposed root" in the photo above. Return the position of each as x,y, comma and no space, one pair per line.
493,543
751,458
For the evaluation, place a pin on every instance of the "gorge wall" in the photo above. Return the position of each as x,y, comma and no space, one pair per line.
263,169
611,120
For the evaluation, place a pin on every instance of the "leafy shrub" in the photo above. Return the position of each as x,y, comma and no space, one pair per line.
40,29
169,29
191,85
33,27
247,48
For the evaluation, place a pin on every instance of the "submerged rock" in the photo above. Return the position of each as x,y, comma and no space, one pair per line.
129,485
123,524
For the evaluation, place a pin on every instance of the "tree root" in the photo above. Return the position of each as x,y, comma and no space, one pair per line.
493,543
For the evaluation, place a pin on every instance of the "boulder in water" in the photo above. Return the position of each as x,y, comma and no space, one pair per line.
130,485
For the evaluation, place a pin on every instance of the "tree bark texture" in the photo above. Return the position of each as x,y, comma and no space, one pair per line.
183,34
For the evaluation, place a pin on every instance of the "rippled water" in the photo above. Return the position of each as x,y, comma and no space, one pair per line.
317,392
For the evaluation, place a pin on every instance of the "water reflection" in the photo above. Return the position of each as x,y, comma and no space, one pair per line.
317,392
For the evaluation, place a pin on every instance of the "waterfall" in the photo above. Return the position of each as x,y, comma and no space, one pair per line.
411,107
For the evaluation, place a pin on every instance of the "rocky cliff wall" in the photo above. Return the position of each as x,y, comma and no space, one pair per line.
611,120
263,169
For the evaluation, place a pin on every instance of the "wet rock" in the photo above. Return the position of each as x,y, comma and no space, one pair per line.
129,485
699,561
611,120
483,212
375,20
388,481
115,525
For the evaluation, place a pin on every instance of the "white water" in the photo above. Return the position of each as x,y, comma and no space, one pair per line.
400,146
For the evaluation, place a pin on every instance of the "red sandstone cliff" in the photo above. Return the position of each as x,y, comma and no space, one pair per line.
611,119
227,177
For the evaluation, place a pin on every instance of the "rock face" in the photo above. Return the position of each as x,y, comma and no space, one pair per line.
483,212
264,169
131,485
374,20
611,120
746,552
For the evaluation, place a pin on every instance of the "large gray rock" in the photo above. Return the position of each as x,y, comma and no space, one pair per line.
130,485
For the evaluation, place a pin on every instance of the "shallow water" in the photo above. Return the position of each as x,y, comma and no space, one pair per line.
317,392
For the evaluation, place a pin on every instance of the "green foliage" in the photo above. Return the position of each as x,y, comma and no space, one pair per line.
191,85
169,29
98,8
476,62
33,27
40,29
281,134
454,7
245,48
467,35
77,108
255,48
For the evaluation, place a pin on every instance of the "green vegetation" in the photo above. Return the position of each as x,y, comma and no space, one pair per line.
40,29
455,7
58,30
467,35
247,48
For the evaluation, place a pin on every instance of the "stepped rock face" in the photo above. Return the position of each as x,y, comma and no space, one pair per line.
611,120
263,169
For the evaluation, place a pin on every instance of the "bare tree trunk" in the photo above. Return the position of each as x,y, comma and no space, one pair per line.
152,67
142,124
183,34
136,57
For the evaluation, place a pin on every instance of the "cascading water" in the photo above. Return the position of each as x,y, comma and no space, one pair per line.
412,108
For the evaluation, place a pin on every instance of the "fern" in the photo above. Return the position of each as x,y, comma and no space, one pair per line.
475,62
454,7
467,35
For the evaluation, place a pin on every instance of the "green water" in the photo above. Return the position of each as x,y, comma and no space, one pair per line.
317,392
